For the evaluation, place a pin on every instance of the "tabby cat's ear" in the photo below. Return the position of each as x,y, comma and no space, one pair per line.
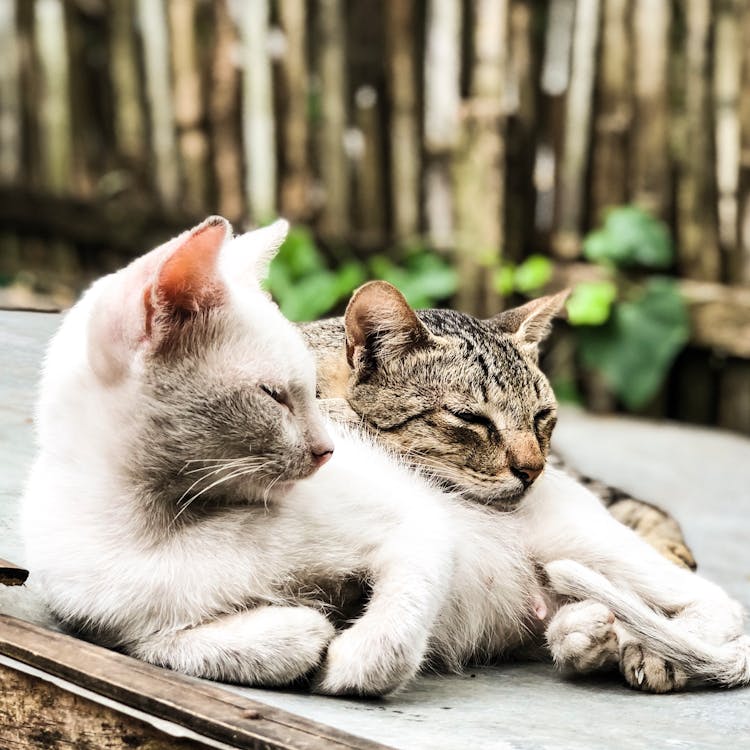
531,323
379,323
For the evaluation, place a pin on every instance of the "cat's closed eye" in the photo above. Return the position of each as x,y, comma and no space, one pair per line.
277,395
471,418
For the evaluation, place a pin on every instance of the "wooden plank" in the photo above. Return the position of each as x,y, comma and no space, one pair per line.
11,574
36,713
204,708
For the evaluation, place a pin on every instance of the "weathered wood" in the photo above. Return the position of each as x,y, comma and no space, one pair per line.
127,91
728,44
334,170
38,714
649,175
258,131
56,130
696,194
613,118
153,26
442,99
574,160
295,176
222,115
10,95
369,182
402,80
206,709
479,172
12,574
188,102
739,266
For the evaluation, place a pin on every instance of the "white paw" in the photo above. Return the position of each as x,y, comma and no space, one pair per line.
645,671
582,637
357,664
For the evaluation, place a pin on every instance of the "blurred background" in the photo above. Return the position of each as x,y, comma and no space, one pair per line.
475,153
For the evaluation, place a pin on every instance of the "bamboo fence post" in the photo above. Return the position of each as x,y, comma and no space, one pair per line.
696,199
740,267
400,24
295,178
442,100
334,219
259,142
55,116
222,114
126,85
368,169
521,109
153,25
649,178
480,165
10,104
188,103
727,71
573,161
613,118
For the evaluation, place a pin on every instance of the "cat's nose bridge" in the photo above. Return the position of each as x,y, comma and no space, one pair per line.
525,458
321,444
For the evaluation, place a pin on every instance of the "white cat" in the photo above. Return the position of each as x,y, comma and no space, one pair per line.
177,509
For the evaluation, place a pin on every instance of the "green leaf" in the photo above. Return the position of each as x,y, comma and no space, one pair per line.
299,255
636,348
533,274
504,277
630,237
590,303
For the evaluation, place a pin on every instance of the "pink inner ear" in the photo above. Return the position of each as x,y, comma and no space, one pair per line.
188,279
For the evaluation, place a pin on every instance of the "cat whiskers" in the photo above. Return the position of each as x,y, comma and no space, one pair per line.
236,467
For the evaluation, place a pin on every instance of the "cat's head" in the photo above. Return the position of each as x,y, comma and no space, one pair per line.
213,388
464,398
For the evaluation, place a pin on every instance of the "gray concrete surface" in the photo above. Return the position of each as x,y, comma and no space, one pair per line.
702,475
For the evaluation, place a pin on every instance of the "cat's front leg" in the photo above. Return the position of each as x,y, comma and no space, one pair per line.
386,647
266,647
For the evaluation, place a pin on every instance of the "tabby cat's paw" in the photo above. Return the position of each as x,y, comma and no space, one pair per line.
645,671
677,552
581,637
357,664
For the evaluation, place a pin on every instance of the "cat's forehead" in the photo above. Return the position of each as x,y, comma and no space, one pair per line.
266,342
478,358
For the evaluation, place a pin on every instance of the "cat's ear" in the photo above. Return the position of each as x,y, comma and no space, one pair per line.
250,254
531,323
187,279
379,323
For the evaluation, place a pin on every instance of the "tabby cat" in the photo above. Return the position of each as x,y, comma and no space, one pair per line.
459,399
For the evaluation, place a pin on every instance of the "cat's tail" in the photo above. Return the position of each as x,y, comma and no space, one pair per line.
727,665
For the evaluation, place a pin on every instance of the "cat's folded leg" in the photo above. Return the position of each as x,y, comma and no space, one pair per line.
585,637
267,646
581,637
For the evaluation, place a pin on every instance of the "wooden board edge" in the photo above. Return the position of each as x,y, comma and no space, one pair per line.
200,706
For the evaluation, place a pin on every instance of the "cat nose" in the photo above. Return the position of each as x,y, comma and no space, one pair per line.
321,453
527,474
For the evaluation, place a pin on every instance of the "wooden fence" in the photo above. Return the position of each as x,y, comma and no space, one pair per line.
488,129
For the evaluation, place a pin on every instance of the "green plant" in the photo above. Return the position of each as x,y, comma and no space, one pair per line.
526,278
632,341
306,287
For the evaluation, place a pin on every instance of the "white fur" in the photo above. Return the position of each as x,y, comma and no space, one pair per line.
451,582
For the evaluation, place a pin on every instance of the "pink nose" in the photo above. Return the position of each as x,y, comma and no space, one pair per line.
321,454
